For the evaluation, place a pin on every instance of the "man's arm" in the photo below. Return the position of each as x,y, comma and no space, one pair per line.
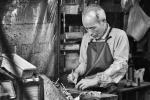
118,68
83,56
80,70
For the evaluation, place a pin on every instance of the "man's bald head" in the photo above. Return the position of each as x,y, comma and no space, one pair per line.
92,14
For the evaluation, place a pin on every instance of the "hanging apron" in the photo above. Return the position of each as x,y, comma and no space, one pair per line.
99,57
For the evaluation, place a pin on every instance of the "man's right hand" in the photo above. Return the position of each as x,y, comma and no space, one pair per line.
72,77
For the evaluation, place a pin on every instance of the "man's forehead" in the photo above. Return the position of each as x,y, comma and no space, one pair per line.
89,18
89,21
90,14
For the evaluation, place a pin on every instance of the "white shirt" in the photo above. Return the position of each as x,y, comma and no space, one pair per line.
119,47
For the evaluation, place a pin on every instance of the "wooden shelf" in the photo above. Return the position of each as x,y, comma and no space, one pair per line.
71,22
71,41
70,51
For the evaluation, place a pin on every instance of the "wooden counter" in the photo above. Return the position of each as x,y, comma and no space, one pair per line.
102,97
134,93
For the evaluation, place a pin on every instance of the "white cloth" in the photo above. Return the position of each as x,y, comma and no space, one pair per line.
138,23
119,47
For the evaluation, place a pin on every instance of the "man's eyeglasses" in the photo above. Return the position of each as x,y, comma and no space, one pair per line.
90,28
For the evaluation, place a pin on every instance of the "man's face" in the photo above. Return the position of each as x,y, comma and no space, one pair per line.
94,27
95,30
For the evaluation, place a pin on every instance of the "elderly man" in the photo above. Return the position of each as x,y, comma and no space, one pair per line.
103,54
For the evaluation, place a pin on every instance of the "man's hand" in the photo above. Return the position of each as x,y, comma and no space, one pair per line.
85,83
72,77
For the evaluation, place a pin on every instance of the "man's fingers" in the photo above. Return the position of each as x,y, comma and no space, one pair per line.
75,80
81,86
70,78
84,87
78,84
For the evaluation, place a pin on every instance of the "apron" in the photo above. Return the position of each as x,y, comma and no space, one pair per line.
99,57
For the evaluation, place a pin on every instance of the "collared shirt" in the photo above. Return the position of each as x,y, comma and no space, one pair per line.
119,47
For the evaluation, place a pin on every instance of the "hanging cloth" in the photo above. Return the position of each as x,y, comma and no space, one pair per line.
138,23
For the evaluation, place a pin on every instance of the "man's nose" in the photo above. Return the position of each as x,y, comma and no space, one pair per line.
90,31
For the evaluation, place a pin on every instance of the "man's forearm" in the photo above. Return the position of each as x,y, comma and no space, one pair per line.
111,74
115,68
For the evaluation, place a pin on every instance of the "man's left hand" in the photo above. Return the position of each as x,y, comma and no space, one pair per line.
85,83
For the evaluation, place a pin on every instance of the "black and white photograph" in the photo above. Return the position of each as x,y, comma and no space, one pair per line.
74,50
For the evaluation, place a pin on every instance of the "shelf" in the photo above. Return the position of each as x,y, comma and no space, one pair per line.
74,15
77,40
71,8
70,51
78,14
71,33
72,41
73,19
69,4
70,47
71,36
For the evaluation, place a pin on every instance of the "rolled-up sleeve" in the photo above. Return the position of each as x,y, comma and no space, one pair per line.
119,67
83,55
